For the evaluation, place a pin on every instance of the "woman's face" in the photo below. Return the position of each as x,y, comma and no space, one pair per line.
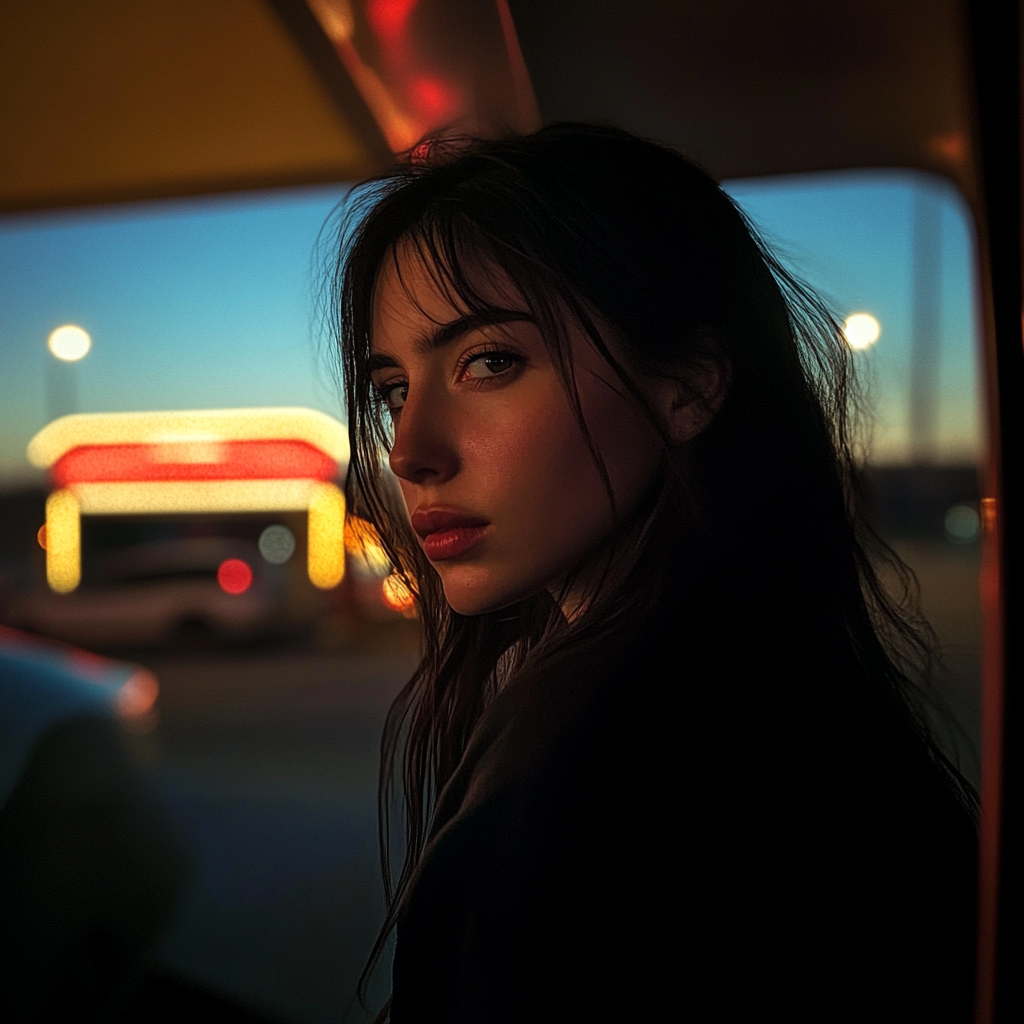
501,486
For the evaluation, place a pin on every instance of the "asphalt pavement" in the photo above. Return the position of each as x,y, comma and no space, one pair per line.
267,761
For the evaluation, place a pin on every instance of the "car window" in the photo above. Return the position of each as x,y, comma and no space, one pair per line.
272,693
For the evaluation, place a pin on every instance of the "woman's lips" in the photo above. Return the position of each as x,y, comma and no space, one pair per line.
446,533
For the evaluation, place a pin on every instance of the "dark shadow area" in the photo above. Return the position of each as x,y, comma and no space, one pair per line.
264,757
164,998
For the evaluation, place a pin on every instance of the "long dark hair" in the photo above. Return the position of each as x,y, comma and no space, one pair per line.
594,225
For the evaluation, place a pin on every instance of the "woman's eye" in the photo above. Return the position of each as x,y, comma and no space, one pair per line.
490,364
394,395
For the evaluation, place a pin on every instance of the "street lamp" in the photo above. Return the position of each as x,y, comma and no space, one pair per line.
68,345
861,331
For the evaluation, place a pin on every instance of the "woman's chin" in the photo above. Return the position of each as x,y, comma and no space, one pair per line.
478,596
475,604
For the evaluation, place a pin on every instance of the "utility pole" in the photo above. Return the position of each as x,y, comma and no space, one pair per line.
927,310
68,345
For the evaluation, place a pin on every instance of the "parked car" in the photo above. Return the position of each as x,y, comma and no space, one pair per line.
90,864
145,594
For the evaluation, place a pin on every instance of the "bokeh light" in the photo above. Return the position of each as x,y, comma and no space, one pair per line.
963,524
396,594
363,544
69,343
63,541
861,331
138,695
277,544
325,540
234,576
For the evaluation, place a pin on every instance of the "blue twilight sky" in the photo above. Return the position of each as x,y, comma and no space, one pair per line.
209,303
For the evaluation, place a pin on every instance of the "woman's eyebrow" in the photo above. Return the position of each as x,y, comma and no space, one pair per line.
381,362
454,329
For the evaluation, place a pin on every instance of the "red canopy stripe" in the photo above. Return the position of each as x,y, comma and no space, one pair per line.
199,460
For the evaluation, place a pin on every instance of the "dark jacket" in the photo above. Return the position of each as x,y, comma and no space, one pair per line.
683,822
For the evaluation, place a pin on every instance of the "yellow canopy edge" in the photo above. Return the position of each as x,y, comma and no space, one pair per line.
272,424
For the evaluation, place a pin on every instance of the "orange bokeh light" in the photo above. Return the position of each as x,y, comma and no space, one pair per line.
234,576
396,594
951,146
41,536
138,695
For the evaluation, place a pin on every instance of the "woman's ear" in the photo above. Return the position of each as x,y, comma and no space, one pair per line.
690,400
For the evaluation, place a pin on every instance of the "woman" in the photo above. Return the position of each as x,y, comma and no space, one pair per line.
662,753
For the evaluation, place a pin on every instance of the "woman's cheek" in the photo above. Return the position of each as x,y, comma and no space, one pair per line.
559,495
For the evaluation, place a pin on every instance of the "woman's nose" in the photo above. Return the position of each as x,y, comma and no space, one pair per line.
423,452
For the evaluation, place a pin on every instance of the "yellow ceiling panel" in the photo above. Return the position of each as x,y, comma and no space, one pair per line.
109,100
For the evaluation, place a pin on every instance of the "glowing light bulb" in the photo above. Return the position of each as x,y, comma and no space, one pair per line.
69,343
861,331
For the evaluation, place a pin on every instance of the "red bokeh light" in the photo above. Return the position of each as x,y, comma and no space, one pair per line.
234,576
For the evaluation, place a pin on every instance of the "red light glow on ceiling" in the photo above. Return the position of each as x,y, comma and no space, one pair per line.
235,460
433,98
389,17
234,576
